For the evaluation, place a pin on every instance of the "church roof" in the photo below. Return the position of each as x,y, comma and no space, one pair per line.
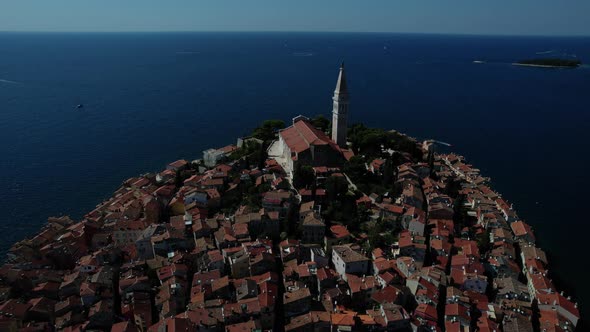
302,134
341,87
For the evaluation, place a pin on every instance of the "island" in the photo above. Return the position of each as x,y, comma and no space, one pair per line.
549,63
311,226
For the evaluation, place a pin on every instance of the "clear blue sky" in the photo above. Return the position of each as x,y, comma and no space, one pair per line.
514,17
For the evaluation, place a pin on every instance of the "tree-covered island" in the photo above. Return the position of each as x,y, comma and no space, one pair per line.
550,62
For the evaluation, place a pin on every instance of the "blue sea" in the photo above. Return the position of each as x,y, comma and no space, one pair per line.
153,98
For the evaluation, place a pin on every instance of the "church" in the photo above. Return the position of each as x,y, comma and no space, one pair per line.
302,143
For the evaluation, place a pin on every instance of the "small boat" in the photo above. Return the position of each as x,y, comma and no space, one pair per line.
80,106
478,61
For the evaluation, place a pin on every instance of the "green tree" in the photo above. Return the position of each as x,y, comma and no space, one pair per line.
453,187
362,214
321,122
483,242
259,157
303,176
366,140
266,131
336,188
388,171
375,238
178,179
349,211
355,168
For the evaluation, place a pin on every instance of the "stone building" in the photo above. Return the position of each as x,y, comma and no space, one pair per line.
302,143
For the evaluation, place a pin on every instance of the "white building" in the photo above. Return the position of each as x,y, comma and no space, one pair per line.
346,260
212,156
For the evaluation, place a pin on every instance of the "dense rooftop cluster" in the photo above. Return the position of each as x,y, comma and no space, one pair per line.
230,244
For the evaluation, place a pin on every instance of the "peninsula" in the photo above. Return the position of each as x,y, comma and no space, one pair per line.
314,226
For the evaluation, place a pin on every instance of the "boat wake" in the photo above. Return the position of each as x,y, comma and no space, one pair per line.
8,81
303,54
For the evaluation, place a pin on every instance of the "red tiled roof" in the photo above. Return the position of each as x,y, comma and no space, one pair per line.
193,179
377,163
123,327
346,319
251,325
364,199
541,282
325,273
13,308
132,225
427,312
387,277
347,153
302,134
228,148
339,231
290,297
358,284
223,168
393,208
556,299
178,164
521,228
387,294
268,276
455,309
549,320
452,326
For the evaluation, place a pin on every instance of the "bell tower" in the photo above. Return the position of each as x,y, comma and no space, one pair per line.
340,110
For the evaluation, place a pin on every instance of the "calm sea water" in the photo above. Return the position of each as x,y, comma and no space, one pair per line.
153,98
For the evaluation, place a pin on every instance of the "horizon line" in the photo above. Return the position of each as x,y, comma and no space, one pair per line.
294,32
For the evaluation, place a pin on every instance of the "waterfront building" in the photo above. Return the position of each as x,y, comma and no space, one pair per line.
212,156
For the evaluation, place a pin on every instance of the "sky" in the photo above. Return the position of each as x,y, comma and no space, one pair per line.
494,17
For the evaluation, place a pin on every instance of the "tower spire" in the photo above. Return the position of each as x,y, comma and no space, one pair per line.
341,87
340,109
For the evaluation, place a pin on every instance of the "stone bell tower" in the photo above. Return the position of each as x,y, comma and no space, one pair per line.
340,110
